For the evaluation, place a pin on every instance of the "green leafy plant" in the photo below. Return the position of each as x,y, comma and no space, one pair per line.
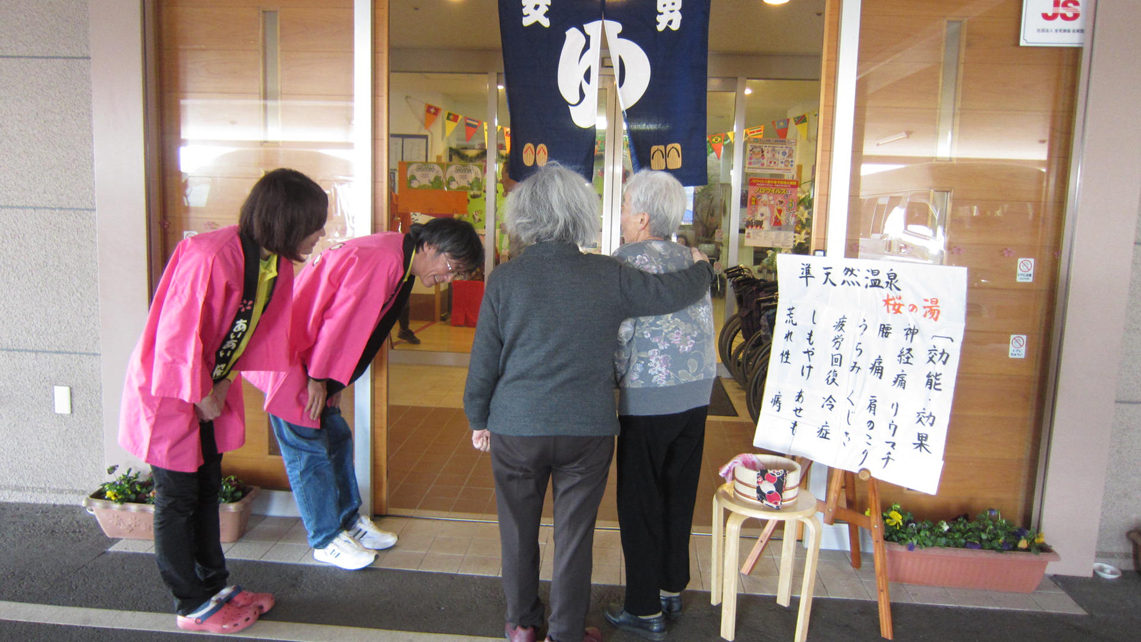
989,531
132,488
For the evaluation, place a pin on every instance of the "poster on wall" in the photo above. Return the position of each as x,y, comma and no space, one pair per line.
771,156
863,367
770,216
466,177
425,175
1053,23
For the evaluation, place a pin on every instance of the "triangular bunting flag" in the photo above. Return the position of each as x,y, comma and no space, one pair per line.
471,124
717,141
801,123
755,132
782,127
506,140
730,135
430,114
450,121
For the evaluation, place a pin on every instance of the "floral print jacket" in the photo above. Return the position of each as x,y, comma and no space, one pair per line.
664,364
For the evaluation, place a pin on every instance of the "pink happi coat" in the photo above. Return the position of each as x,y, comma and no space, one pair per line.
169,370
337,302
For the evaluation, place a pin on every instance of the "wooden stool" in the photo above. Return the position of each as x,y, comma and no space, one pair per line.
726,548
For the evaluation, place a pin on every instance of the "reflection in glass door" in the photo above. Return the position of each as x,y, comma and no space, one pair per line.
244,90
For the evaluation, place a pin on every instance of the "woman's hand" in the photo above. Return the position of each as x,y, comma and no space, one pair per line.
481,440
335,400
316,402
209,408
698,255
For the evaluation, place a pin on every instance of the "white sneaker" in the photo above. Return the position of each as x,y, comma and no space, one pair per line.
369,536
344,552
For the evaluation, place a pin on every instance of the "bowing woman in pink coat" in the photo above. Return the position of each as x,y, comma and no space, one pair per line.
223,305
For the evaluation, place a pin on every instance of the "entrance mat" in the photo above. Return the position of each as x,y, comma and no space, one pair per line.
720,405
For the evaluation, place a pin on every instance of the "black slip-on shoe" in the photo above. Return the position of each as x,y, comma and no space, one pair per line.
653,628
671,606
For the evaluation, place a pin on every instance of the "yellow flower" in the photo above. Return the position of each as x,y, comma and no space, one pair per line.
1039,538
111,495
894,518
1022,543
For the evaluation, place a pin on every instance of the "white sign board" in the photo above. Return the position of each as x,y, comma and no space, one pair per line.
863,365
1053,23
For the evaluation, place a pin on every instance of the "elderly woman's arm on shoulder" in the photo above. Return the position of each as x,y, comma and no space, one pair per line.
647,294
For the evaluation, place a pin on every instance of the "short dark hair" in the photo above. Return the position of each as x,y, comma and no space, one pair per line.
283,208
456,239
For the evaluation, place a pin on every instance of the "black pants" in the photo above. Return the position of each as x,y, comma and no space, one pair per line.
577,468
188,544
659,464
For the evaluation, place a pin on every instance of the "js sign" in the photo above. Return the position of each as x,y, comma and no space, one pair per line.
1052,23
1067,10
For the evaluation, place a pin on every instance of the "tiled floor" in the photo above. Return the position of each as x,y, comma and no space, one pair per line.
433,471
472,548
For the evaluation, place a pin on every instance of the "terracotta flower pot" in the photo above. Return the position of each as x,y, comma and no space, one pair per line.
136,521
1012,571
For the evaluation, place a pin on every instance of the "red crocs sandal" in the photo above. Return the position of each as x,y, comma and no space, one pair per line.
223,618
263,602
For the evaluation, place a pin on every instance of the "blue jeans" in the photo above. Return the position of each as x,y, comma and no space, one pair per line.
319,463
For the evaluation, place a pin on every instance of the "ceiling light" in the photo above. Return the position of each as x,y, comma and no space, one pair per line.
748,91
893,138
776,1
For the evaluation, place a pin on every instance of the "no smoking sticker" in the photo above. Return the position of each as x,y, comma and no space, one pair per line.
1018,346
1025,271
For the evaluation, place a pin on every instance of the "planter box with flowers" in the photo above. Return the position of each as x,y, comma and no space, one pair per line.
125,508
988,553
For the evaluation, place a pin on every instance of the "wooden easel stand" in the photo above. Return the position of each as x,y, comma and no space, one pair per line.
845,482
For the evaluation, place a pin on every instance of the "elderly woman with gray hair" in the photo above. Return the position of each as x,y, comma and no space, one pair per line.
540,388
666,366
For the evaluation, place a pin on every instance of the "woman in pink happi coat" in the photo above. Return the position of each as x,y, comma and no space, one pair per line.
344,307
223,305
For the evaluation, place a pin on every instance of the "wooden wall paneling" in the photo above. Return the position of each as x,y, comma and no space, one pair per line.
1008,310
317,29
256,4
316,73
825,116
230,71
995,266
323,119
906,85
987,353
993,86
210,28
234,117
380,412
991,395
1005,438
893,10
982,221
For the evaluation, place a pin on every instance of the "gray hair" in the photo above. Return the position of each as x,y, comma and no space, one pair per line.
661,196
553,204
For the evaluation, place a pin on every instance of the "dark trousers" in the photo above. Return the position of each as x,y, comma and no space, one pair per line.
577,468
405,317
188,544
659,464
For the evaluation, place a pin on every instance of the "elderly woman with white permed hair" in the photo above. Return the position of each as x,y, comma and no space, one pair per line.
540,388
666,366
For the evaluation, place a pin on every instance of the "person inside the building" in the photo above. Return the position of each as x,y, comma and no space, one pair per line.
540,388
223,305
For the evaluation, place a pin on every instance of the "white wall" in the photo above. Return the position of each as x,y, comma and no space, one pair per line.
48,288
